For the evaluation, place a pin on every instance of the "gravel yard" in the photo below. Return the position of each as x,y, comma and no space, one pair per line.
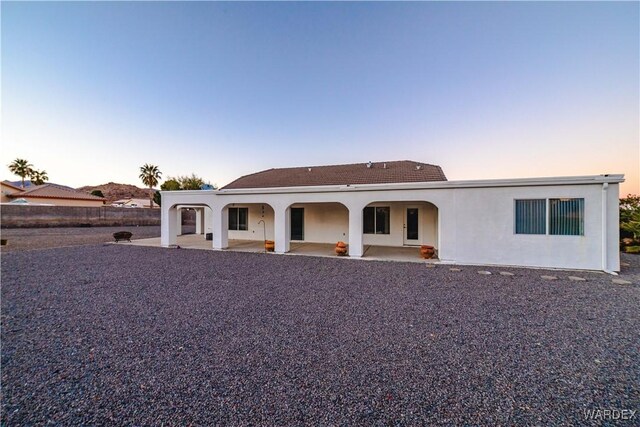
127,335
21,239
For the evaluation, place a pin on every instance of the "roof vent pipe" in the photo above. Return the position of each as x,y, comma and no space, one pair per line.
384,166
369,164
418,167
309,169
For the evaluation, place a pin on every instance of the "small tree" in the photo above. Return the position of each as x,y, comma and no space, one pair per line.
630,215
97,193
171,184
192,182
150,175
157,198
22,168
38,177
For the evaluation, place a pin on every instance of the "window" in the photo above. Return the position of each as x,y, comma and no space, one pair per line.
376,220
531,216
238,219
566,217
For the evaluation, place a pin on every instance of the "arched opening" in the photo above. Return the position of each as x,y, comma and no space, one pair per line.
173,222
247,226
397,229
314,228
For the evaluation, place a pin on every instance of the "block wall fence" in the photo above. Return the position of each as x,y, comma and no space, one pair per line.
75,216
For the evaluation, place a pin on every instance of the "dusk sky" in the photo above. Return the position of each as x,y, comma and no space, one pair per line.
92,91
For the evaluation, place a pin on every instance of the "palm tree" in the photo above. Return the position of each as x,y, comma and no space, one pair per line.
38,177
150,175
21,168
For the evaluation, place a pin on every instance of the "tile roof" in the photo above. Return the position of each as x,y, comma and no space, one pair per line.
55,191
12,185
402,171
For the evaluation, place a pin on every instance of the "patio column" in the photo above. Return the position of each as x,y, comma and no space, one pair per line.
220,228
355,231
168,223
199,220
178,221
282,229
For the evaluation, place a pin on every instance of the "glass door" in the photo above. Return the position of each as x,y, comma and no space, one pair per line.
411,230
297,223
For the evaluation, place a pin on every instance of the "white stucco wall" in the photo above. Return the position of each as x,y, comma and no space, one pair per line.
325,222
484,224
470,222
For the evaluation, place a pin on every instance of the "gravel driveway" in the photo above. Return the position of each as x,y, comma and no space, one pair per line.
130,335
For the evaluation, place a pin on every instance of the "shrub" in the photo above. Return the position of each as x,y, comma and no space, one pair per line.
632,249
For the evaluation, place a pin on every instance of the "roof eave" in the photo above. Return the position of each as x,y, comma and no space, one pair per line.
19,196
512,182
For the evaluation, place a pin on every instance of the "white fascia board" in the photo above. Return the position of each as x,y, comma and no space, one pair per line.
189,192
517,182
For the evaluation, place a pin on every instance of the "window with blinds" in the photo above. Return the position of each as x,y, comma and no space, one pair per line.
566,217
531,216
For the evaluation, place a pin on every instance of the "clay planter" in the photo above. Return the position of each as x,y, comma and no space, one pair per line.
341,248
269,245
427,252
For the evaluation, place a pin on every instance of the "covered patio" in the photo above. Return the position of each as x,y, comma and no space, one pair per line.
371,252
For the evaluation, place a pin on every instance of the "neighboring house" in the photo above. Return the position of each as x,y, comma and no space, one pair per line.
6,190
51,194
133,203
561,222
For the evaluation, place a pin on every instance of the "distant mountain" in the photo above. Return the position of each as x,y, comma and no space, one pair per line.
114,191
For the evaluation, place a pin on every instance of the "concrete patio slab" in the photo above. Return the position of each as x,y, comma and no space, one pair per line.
378,253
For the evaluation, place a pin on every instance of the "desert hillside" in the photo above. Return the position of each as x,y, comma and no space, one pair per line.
114,191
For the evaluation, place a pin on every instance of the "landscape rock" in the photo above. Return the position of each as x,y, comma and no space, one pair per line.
130,335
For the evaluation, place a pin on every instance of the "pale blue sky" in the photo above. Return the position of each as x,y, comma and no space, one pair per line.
91,91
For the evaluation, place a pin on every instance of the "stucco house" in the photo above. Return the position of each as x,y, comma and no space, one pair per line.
133,203
6,190
50,194
557,222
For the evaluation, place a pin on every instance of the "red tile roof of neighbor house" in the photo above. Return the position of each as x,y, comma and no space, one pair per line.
9,184
54,191
402,171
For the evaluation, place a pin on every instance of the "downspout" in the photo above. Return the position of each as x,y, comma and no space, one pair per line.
605,240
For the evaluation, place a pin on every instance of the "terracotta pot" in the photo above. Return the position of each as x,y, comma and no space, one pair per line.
269,245
427,252
341,248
